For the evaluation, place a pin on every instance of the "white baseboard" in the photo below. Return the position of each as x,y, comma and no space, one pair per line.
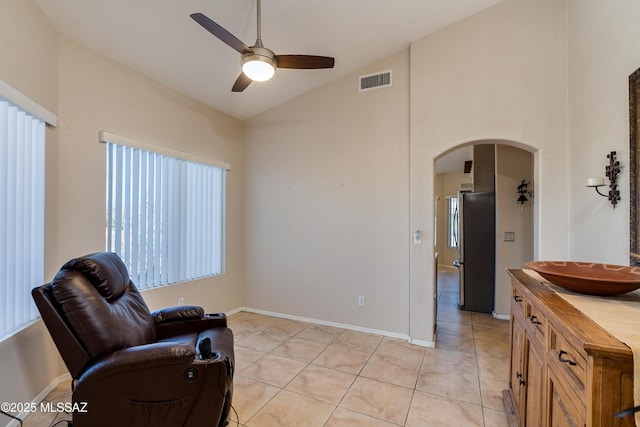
501,316
234,311
428,344
40,397
326,323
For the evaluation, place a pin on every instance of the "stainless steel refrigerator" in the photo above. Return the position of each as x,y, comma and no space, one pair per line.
476,240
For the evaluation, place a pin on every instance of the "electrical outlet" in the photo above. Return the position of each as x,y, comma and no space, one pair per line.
181,301
361,301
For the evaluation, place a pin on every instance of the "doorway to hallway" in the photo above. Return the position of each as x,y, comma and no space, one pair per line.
505,170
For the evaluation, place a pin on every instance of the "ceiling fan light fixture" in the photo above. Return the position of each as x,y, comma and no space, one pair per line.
259,65
258,62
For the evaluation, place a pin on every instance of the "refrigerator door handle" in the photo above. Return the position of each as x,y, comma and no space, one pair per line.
455,220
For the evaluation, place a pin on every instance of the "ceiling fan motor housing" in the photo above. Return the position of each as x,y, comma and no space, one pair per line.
259,64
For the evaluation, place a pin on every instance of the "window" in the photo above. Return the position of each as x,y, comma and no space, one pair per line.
452,221
165,215
21,215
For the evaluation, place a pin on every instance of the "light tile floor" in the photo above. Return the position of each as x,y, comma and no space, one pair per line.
291,373
40,418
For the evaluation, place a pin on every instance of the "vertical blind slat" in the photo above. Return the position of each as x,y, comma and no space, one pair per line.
157,263
182,221
108,192
4,161
126,200
149,251
37,273
11,218
23,215
166,220
142,221
116,222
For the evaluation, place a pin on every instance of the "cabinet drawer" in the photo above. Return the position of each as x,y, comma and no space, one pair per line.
568,359
536,322
517,301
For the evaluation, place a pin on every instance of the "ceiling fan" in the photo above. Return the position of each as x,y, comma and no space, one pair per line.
258,62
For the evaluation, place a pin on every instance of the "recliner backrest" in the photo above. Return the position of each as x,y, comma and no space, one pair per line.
101,304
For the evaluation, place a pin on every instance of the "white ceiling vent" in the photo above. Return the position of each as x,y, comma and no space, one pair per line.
375,81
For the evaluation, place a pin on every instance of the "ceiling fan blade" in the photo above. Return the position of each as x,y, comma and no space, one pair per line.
241,83
305,62
220,33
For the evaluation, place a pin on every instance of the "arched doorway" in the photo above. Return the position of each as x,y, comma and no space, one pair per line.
495,166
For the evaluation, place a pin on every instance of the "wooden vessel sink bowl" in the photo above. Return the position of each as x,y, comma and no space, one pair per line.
587,277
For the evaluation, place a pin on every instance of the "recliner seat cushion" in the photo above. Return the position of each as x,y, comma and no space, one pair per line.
102,305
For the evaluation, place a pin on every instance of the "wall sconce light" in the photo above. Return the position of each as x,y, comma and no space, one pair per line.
611,171
522,190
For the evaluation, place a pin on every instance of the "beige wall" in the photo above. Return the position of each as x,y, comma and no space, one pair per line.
327,196
97,94
512,166
604,48
29,52
90,93
500,74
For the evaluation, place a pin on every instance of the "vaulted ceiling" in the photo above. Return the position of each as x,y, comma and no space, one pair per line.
160,40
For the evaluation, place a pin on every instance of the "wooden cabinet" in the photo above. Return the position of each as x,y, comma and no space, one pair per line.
565,369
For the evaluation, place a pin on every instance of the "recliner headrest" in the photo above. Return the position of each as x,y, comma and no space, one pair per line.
105,270
101,305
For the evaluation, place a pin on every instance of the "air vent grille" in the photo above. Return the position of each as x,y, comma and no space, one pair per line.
375,81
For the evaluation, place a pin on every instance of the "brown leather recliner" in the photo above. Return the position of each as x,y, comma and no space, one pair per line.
131,367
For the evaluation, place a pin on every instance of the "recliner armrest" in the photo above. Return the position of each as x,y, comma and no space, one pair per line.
140,358
179,327
178,313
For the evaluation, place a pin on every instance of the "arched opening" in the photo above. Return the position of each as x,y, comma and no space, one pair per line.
470,235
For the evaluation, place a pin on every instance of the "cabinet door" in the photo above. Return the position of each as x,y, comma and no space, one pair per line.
535,383
517,367
563,411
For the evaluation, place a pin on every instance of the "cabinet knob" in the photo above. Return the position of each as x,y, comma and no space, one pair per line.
517,298
564,360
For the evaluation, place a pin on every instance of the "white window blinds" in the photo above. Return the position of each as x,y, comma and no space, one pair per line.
165,216
21,215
